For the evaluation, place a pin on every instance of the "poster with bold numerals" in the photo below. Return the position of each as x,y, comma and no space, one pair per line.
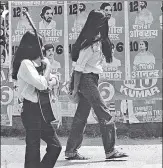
77,16
48,18
6,82
140,89
6,97
145,32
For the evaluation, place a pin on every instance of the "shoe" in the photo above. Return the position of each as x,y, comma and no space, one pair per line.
116,154
77,157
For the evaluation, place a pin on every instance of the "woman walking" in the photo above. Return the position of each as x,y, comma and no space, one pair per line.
26,67
91,47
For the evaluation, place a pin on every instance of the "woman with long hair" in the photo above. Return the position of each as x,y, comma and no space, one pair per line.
26,67
89,50
144,57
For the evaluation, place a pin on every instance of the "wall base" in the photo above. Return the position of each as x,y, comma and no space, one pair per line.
140,130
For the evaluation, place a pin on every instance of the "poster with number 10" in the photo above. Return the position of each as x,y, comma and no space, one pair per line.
77,16
48,18
145,32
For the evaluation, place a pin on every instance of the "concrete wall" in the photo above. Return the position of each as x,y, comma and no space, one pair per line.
141,130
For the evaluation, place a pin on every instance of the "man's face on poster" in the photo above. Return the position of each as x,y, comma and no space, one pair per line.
48,15
108,11
50,53
142,5
23,11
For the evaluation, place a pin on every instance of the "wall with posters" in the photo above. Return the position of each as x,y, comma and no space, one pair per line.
145,39
4,36
51,34
147,110
6,97
77,16
131,89
6,82
135,30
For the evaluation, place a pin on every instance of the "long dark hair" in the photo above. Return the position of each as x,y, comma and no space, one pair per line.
146,45
96,23
28,49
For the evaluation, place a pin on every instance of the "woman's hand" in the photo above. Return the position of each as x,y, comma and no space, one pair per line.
74,92
74,96
53,83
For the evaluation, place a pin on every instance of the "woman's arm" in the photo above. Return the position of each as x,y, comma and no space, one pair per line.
29,74
53,81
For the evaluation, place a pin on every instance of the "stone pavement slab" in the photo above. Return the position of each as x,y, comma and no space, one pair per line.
140,156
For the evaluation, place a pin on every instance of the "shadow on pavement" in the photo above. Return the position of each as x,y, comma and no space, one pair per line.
79,162
115,160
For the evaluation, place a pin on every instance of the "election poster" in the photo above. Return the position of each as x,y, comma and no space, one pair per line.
77,16
134,96
136,36
139,89
7,96
4,34
145,34
147,111
118,109
6,81
48,19
77,13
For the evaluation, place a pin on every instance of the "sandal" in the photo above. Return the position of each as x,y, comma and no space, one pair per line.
77,157
117,154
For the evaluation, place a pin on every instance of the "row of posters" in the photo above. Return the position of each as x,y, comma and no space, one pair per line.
142,22
4,34
145,32
7,94
7,98
135,30
142,111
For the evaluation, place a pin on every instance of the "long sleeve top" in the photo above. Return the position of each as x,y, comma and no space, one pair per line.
90,60
29,80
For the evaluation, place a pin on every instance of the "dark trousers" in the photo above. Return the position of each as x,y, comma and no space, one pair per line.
90,97
37,129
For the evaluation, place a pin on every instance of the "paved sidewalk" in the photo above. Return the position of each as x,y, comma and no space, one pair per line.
140,156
